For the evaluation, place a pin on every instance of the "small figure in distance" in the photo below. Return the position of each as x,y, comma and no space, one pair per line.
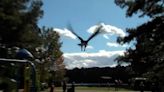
64,85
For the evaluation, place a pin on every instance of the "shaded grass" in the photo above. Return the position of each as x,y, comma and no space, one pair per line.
94,89
102,88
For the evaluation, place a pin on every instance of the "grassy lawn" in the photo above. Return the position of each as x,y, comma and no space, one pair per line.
98,89
94,89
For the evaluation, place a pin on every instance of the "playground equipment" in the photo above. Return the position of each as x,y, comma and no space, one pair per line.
24,54
33,87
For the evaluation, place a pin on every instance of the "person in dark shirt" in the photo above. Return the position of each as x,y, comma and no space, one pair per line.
64,86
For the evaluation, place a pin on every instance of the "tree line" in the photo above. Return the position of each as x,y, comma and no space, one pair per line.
19,30
147,56
99,75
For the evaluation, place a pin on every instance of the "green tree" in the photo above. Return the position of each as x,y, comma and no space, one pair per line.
18,28
147,58
151,8
50,56
18,23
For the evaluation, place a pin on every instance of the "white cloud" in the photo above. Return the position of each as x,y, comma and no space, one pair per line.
106,36
108,30
89,47
99,59
65,33
114,65
110,44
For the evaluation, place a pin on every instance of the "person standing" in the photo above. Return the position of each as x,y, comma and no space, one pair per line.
141,86
73,87
64,86
52,87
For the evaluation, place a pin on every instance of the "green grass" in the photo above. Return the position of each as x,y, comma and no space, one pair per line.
94,89
99,89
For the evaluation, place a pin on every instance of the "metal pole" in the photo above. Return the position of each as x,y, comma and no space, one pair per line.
33,88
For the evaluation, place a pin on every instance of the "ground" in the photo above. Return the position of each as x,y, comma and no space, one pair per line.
95,89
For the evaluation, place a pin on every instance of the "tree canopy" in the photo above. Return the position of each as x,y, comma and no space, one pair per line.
19,21
147,56
19,29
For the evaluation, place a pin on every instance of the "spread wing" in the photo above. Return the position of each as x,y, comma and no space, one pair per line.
97,31
71,29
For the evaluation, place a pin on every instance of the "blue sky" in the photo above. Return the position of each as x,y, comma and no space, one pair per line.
84,15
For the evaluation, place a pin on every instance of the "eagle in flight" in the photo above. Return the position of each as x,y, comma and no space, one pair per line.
83,43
